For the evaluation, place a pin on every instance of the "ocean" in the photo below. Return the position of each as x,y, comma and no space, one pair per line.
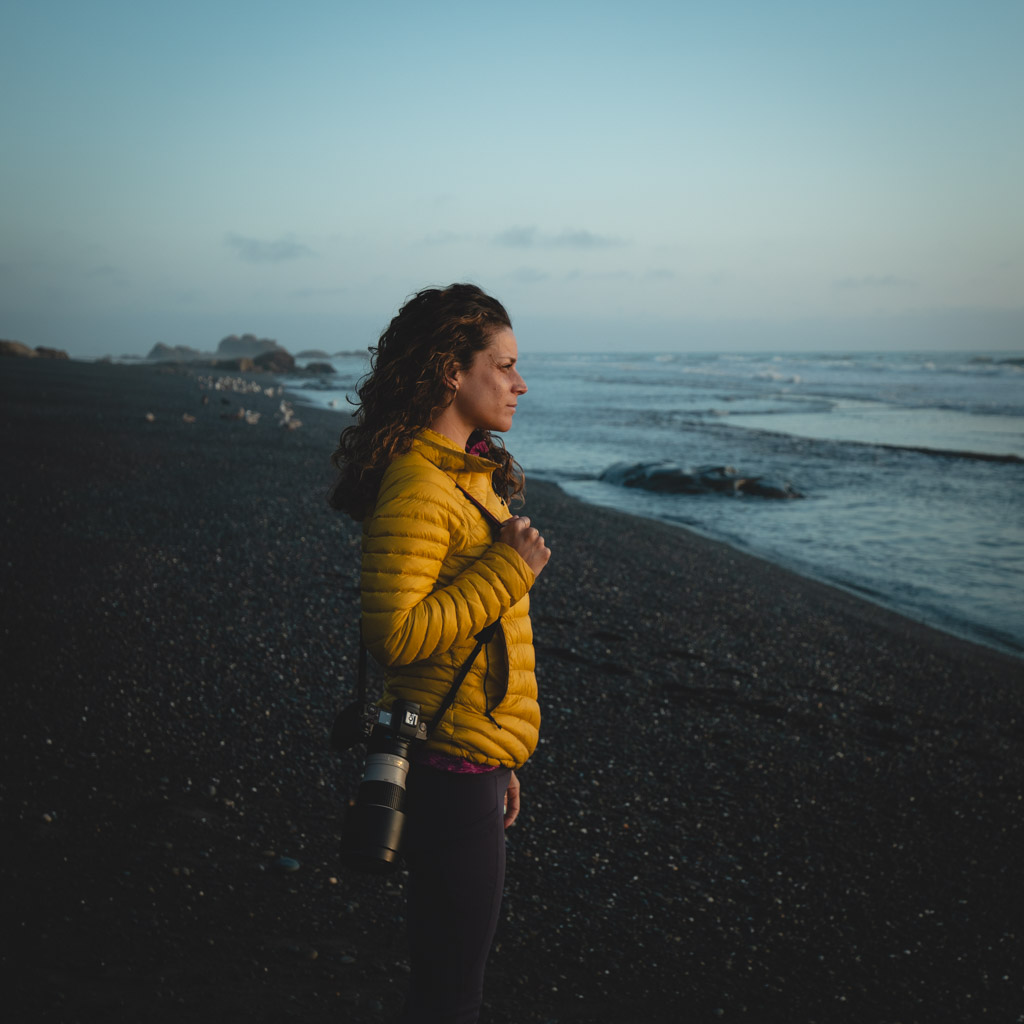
909,466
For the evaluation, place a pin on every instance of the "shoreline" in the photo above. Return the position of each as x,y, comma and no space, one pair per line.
956,621
991,640
757,795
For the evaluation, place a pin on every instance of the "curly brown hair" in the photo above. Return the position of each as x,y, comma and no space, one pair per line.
437,332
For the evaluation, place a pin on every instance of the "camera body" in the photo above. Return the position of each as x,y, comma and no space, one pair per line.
372,836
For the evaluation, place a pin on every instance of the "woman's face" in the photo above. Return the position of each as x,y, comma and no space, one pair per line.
486,393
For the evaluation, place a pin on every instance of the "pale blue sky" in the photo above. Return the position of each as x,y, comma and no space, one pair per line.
622,175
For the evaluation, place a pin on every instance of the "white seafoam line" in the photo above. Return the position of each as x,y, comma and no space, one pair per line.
877,423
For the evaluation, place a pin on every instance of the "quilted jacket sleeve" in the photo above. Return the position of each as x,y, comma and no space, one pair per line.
421,596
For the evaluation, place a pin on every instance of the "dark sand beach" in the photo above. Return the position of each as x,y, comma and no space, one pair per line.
756,797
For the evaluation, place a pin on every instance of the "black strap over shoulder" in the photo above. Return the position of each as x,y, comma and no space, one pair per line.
482,638
362,665
495,523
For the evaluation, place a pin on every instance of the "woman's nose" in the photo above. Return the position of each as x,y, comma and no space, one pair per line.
520,385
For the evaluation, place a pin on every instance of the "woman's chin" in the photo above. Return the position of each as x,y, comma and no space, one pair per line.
498,427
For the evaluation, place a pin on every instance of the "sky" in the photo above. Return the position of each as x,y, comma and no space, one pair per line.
654,176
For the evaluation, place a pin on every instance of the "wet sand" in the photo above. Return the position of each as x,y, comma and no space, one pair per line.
756,797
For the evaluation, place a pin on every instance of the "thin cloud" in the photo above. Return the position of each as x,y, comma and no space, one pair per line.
529,275
570,238
719,278
312,293
875,281
602,275
442,238
584,240
105,271
518,238
255,250
109,275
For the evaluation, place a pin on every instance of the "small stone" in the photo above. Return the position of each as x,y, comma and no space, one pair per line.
346,959
286,864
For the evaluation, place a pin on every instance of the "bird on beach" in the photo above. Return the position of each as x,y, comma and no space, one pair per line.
286,416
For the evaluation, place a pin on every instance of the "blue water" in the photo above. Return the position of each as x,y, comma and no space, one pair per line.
939,537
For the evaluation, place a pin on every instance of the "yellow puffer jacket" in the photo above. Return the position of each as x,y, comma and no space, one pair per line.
432,578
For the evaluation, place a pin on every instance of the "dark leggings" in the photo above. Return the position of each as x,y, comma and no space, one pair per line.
455,849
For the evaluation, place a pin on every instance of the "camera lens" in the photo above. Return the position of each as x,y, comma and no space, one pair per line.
373,832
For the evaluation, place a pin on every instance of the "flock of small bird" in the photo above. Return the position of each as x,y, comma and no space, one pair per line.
285,415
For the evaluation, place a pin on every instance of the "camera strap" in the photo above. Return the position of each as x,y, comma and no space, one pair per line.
362,665
482,638
494,522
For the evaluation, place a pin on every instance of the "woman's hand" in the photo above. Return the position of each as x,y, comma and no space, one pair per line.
517,533
511,800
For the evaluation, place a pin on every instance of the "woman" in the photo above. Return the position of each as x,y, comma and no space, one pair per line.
443,559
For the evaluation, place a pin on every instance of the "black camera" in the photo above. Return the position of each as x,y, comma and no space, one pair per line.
372,837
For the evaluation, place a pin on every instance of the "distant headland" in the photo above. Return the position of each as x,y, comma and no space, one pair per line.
240,353
18,349
247,352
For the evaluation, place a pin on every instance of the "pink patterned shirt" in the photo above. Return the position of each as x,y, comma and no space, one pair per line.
448,763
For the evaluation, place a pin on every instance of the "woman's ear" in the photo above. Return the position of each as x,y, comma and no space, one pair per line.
453,378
